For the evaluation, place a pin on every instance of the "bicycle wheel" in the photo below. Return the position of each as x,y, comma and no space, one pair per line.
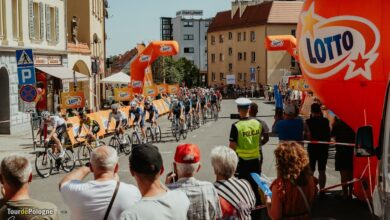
113,143
68,162
173,129
135,139
177,132
43,164
83,154
127,146
149,135
157,133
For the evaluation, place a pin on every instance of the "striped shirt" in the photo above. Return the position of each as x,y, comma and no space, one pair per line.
239,194
204,200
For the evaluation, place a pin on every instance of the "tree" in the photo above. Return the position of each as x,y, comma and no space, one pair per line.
175,71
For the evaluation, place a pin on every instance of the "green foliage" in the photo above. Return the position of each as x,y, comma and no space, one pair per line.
175,71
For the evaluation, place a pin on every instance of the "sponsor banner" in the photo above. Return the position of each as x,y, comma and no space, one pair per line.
173,89
298,82
137,84
165,48
162,88
47,60
277,43
230,79
144,58
72,100
150,91
122,94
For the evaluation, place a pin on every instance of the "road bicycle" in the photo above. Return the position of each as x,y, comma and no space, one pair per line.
47,160
121,143
177,129
84,150
188,121
153,133
214,112
136,135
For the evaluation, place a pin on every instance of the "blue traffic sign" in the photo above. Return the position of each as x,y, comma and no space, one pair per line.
26,75
28,93
24,58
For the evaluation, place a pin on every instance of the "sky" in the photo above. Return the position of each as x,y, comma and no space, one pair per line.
135,21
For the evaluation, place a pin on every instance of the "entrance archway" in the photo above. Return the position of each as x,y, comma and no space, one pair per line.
81,67
5,125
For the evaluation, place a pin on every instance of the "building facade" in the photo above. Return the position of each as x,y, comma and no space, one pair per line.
189,29
35,24
236,51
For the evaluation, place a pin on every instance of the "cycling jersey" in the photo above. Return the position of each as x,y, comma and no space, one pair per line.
176,109
90,123
194,102
213,98
118,116
203,101
137,113
187,106
153,112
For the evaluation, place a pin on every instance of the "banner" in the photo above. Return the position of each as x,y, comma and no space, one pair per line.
230,79
122,94
298,82
173,89
72,100
150,91
162,88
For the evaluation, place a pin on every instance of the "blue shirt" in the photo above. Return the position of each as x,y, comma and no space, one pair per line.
137,112
290,130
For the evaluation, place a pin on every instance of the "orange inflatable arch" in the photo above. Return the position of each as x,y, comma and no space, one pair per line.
282,43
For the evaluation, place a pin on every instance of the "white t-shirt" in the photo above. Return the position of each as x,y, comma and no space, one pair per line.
172,205
90,200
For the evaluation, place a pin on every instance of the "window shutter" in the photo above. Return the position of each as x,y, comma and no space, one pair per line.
42,18
31,19
48,18
57,18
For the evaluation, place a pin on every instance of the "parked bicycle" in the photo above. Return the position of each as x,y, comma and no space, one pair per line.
120,142
47,160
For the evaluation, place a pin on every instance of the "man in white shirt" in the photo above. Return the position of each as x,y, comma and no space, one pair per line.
157,201
90,200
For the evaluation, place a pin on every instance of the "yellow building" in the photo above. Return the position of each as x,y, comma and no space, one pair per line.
236,51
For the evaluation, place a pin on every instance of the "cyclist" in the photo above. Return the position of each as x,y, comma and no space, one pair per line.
90,126
176,111
219,95
187,109
58,125
120,120
203,106
153,113
195,103
139,117
213,100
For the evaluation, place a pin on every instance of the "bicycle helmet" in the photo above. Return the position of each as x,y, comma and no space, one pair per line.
147,103
133,104
45,115
114,106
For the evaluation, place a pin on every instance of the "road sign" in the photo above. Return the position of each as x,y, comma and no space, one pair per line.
26,75
24,58
230,79
28,93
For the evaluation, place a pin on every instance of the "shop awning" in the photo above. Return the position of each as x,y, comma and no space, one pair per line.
63,73
117,78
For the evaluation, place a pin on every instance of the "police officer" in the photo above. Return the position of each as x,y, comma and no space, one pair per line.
245,138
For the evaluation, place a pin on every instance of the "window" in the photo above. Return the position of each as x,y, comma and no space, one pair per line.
244,36
206,24
52,24
240,76
244,76
213,58
239,56
221,57
230,35
230,51
221,76
188,37
213,77
212,39
253,36
188,50
220,38
293,32
37,21
3,29
239,36
253,57
230,67
244,55
205,37
17,20
188,23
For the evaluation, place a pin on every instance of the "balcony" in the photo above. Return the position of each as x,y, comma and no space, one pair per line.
79,48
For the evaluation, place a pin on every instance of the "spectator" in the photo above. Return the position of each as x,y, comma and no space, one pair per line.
291,127
344,155
235,195
15,177
317,129
253,109
146,166
87,200
204,202
277,117
294,190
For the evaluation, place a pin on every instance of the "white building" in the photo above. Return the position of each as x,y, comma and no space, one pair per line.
189,29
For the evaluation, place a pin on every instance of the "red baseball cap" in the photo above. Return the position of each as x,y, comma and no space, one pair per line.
187,153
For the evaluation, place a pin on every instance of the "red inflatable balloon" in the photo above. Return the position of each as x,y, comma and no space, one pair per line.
343,47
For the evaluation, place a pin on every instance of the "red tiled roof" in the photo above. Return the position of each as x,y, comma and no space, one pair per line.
253,16
124,59
281,12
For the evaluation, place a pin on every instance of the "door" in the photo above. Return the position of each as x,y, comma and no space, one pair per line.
5,125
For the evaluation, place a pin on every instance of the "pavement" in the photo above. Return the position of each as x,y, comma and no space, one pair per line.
209,135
